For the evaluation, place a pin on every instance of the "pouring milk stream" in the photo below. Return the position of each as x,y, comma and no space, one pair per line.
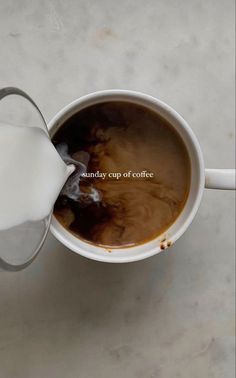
32,174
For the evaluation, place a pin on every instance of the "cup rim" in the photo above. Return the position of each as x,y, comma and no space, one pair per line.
56,228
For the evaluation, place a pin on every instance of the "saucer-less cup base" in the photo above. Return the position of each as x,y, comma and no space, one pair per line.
196,188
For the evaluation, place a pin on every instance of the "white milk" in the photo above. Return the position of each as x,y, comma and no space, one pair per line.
31,175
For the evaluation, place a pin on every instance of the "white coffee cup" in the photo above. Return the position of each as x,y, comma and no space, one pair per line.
200,178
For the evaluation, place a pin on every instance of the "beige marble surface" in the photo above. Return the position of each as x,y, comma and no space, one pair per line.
171,316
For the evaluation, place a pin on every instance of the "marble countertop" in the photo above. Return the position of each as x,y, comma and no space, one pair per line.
171,316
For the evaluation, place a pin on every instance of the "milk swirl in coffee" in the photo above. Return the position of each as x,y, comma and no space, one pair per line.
136,174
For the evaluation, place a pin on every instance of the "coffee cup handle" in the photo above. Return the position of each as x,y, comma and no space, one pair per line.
220,179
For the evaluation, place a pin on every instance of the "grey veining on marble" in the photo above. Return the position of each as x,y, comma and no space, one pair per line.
171,316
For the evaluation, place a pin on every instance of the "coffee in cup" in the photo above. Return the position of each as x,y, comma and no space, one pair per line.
137,170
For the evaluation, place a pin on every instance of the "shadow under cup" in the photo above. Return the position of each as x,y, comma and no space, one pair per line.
163,241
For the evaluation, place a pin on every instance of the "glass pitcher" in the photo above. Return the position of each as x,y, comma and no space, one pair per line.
20,245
